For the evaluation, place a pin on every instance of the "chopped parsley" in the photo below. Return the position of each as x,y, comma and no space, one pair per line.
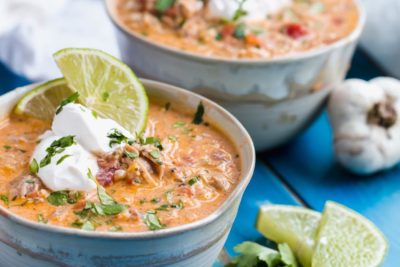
34,167
58,146
5,199
63,158
72,98
163,5
194,180
198,117
116,137
152,221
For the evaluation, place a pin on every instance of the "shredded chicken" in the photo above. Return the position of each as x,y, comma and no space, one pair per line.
27,186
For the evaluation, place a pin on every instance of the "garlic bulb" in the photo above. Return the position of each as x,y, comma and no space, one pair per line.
365,120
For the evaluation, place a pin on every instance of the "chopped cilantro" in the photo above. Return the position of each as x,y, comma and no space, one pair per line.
240,12
163,207
116,228
178,205
117,138
155,200
240,31
41,219
152,221
5,199
7,147
72,98
62,159
194,180
58,146
88,226
95,115
163,5
152,141
198,117
34,167
58,198
131,155
172,138
178,124
155,154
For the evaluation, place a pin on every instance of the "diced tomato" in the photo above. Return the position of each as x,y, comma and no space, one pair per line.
295,30
172,11
252,39
228,30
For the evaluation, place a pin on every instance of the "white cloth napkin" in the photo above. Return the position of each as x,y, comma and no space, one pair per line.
32,30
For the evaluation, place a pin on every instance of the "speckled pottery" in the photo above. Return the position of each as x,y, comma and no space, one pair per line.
25,243
274,99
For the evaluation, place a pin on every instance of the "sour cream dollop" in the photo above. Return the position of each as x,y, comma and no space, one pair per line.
67,170
91,131
255,9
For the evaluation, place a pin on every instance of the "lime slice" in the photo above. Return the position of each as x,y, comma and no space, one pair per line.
345,238
41,102
295,226
106,85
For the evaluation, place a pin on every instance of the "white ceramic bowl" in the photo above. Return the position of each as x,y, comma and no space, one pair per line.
27,243
273,98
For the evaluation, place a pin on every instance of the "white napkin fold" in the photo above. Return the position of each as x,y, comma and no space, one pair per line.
32,30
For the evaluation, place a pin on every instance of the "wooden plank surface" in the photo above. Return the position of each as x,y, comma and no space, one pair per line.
308,166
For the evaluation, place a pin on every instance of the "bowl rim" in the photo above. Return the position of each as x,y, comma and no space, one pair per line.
227,204
353,36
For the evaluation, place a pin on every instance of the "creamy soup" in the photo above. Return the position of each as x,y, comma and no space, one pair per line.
186,25
177,172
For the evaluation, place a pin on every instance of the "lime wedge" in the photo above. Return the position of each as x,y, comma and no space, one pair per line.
345,238
295,226
41,102
106,85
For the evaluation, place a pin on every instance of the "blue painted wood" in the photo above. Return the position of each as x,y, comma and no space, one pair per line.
263,188
309,168
9,80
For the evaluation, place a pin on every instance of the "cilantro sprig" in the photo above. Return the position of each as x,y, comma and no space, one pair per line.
72,98
58,146
253,255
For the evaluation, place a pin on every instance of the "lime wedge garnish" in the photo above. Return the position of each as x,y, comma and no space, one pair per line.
295,226
41,102
345,238
106,85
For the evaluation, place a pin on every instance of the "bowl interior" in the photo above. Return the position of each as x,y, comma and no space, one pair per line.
188,102
111,10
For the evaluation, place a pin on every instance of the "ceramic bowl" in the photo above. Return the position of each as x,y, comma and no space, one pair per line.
27,243
273,98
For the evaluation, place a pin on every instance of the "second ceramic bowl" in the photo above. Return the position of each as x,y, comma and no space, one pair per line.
274,99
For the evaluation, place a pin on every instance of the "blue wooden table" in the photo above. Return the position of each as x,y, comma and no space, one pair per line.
305,173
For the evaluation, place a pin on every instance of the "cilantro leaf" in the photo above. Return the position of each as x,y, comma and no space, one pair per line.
58,198
152,221
198,117
5,199
72,98
163,5
253,255
34,167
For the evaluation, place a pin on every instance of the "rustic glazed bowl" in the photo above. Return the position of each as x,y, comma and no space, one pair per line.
273,98
27,243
